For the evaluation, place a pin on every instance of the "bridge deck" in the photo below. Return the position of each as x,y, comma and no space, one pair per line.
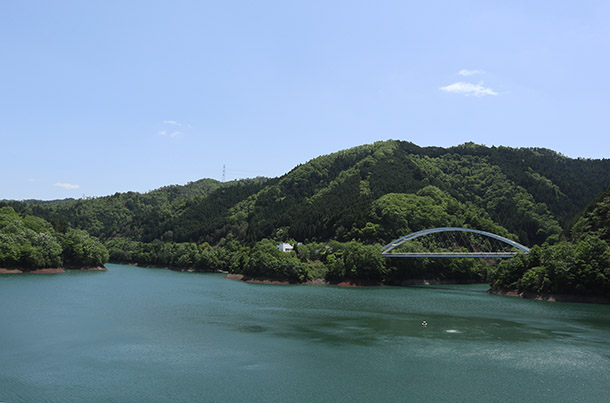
451,254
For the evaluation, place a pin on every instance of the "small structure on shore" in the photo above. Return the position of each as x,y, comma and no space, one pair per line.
285,247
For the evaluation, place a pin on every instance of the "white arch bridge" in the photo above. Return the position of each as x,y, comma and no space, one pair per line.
453,242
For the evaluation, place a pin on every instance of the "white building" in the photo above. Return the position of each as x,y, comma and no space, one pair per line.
285,247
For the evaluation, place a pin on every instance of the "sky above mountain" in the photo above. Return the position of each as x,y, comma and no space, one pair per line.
111,96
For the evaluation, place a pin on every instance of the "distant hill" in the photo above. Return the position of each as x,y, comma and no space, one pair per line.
141,216
370,193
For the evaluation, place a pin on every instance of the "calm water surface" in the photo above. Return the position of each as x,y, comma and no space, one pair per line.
134,334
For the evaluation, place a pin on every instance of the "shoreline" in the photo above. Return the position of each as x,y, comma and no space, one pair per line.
50,270
586,299
345,282
342,283
182,269
575,298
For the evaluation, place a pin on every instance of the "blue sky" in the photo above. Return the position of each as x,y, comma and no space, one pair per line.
111,96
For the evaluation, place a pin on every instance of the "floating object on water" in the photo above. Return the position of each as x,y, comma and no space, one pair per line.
424,323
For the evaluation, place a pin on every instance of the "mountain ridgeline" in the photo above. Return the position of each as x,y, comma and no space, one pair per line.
342,207
371,193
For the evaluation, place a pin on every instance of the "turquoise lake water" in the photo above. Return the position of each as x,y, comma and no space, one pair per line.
133,334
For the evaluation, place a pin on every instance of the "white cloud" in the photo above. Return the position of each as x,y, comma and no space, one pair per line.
171,131
66,186
466,72
478,90
168,134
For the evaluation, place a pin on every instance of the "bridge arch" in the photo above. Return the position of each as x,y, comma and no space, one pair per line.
387,249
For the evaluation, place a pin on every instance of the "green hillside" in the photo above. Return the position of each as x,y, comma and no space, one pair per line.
369,194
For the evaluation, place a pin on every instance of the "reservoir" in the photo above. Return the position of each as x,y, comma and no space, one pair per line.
153,335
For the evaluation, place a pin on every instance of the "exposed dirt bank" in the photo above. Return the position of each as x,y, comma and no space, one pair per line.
343,283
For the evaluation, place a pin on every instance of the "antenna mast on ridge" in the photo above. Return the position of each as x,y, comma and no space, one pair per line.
224,172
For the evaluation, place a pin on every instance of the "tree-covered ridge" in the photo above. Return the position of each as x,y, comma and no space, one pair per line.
28,242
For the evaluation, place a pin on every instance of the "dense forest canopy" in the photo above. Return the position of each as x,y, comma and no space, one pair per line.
30,243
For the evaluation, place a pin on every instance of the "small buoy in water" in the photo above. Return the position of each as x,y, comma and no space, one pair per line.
499,338
424,323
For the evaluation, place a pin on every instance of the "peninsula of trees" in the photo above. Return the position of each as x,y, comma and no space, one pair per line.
342,207
30,243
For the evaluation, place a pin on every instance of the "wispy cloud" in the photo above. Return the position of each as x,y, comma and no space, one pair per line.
66,186
169,133
467,89
466,72
171,126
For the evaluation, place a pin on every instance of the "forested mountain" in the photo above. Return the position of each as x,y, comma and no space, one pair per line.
371,193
